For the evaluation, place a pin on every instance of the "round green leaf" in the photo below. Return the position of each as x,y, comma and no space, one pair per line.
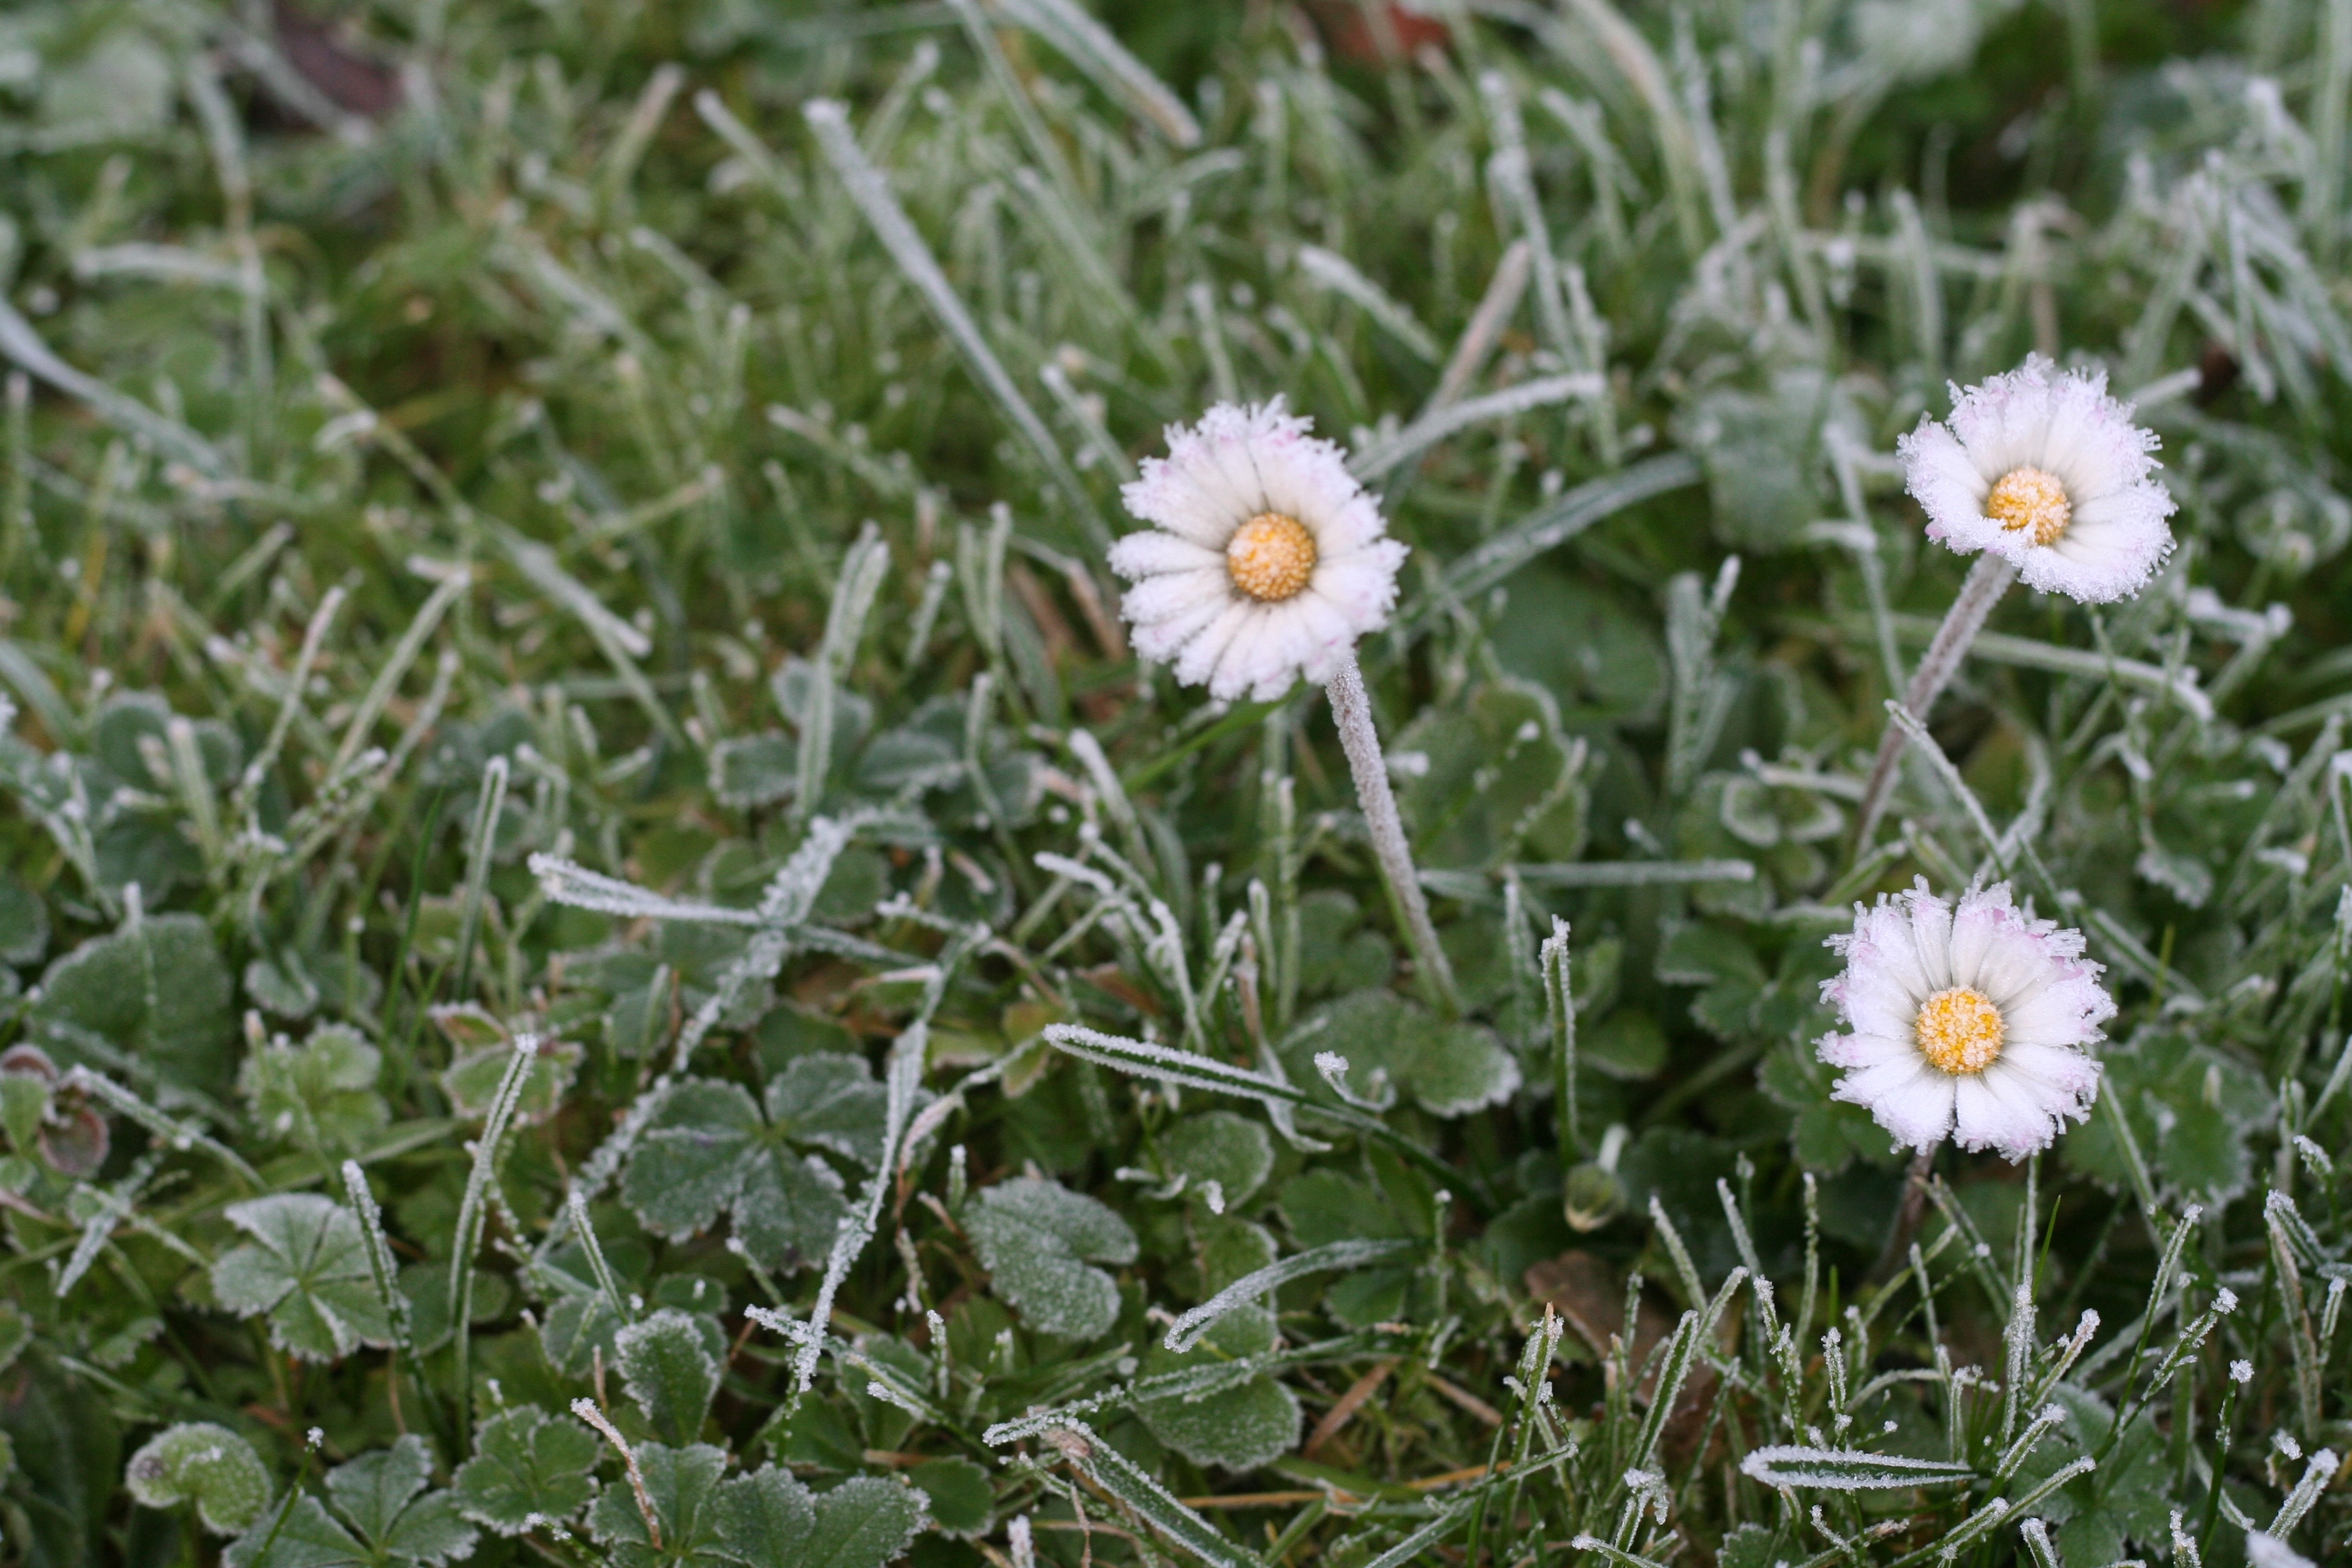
209,1465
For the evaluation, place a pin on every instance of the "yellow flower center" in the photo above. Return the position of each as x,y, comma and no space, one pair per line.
1271,558
2030,498
1959,1030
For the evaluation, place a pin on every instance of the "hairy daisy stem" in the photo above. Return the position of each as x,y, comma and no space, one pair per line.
1351,710
1988,580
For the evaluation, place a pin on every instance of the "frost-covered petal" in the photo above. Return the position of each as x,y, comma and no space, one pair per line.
1171,594
1947,484
1206,651
1910,1099
2052,1069
1328,640
1237,667
1163,640
1148,553
1361,586
1864,1049
1999,1113
2064,1012
1931,935
1350,526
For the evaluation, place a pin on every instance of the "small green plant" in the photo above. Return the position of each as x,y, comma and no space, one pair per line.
1006,783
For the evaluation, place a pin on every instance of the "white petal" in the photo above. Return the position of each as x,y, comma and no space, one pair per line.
1976,924
2000,1119
2091,444
1283,653
1931,936
1873,1002
2063,1078
1862,1049
1206,651
1328,640
1361,587
1176,593
1349,526
2066,1012
1912,1100
1938,471
1254,659
1148,552
1166,495
1162,640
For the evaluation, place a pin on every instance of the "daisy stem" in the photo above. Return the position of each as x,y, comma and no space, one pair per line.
1988,580
1351,710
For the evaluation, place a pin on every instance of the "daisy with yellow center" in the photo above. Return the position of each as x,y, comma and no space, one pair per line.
1968,1022
2040,475
2042,470
1265,560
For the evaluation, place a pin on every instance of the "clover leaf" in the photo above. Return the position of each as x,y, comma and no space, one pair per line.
379,1520
2193,1108
710,1148
961,1500
768,1519
1449,1068
156,991
528,1468
1239,1427
1499,780
2104,1510
209,1465
320,1094
765,1520
1037,1239
306,1267
681,1485
669,1364
1230,1150
481,1049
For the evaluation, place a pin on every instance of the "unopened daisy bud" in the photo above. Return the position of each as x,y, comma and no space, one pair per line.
1966,1023
1265,560
2043,469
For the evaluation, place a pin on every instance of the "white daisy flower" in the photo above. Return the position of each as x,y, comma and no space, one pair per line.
1266,562
2048,473
1966,1024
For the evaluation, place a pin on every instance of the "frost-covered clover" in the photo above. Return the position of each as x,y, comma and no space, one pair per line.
306,1267
529,1469
1038,1240
1968,1024
2048,473
320,1094
710,1148
1265,560
382,1517
204,1464
764,1520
